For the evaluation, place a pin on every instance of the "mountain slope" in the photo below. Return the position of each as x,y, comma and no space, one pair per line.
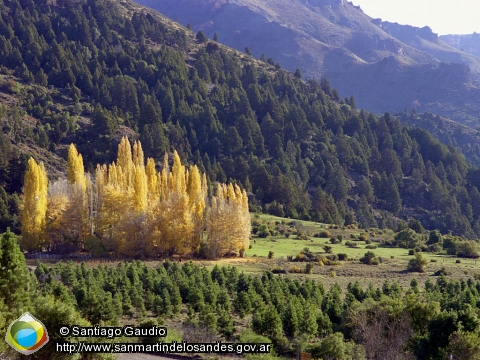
89,72
385,66
467,43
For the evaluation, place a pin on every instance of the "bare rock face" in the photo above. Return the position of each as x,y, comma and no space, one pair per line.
386,66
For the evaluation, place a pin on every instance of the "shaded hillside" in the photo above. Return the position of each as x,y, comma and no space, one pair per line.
92,71
449,132
467,43
388,67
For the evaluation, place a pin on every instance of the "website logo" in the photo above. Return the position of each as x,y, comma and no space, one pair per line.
26,334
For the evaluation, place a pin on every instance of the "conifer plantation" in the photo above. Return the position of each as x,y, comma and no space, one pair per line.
131,209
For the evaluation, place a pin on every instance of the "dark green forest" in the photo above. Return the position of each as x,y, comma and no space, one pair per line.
87,71
428,322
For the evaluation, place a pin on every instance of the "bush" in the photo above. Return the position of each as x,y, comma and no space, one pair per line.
371,247
324,234
407,238
363,237
300,257
434,248
351,244
263,231
411,252
303,237
467,249
308,268
369,258
295,270
458,261
343,257
270,254
417,264
328,249
442,271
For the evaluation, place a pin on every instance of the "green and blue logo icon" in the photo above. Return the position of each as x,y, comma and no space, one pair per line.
26,334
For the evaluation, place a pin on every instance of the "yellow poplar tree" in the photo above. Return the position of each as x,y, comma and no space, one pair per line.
197,194
34,207
75,170
124,160
76,217
152,180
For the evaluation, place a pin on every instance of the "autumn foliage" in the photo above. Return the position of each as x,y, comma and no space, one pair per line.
130,208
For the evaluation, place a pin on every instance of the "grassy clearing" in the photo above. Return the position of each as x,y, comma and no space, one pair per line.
392,268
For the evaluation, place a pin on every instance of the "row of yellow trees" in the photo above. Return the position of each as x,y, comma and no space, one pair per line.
132,209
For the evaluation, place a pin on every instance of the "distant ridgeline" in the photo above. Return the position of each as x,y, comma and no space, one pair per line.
82,72
323,2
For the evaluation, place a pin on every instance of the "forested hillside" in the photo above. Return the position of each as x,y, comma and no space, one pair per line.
88,72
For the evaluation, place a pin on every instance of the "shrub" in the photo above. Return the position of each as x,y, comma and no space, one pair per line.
417,264
295,270
351,244
308,268
368,258
433,260
303,237
328,249
434,248
411,252
324,234
371,247
300,257
263,231
442,271
467,249
343,257
458,261
332,274
363,237
407,238
270,254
